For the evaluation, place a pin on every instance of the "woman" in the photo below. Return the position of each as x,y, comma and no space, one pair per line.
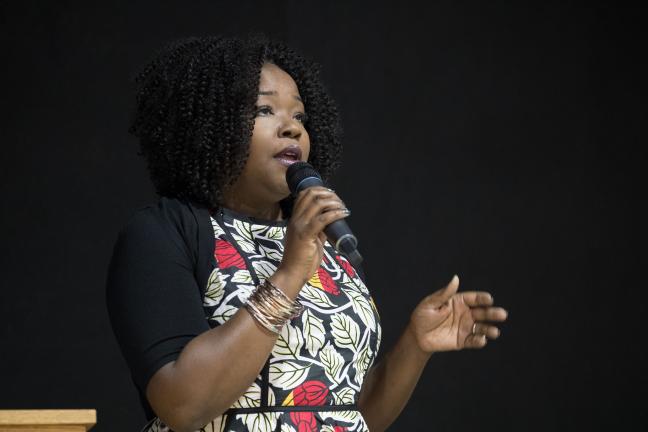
230,307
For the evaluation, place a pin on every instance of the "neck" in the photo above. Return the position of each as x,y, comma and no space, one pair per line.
254,208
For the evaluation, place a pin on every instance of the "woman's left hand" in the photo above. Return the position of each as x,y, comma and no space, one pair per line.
446,320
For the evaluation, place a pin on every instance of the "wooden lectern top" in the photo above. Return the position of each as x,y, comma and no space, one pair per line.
53,420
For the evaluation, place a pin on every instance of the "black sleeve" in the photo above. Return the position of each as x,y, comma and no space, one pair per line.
153,299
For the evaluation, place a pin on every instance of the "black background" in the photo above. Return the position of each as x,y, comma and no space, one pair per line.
497,140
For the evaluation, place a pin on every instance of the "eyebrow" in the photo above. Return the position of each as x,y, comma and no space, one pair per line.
274,93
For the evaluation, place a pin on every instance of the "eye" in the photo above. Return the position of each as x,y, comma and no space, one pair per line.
301,117
263,110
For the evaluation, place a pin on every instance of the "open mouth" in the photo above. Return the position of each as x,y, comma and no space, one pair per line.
289,155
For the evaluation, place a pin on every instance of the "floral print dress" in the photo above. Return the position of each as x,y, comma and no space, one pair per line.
314,374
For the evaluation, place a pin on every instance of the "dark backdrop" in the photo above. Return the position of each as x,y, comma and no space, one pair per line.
498,141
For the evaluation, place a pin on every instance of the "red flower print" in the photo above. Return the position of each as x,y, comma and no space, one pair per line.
328,284
227,256
340,428
305,421
345,265
322,280
310,393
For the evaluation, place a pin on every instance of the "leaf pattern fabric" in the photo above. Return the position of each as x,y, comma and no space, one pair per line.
318,364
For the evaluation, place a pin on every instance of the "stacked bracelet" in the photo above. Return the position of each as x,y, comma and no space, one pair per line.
271,308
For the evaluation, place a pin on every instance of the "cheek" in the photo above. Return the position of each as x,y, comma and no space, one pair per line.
261,135
257,134
307,146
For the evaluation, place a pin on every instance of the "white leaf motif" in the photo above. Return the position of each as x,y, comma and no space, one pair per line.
242,276
287,428
332,361
251,398
258,229
265,422
361,284
215,288
243,292
346,332
223,313
262,422
246,245
270,253
346,396
315,296
363,308
218,231
243,229
361,364
288,375
274,233
342,416
289,343
264,269
313,332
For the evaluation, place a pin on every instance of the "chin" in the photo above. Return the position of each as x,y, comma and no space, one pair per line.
281,190
285,195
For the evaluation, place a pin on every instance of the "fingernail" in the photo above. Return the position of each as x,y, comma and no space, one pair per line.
346,210
329,189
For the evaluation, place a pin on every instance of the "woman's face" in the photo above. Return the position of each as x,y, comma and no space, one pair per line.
278,139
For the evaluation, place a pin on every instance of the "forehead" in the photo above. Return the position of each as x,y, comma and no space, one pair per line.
273,78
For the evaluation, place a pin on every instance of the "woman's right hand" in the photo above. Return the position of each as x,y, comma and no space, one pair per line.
314,209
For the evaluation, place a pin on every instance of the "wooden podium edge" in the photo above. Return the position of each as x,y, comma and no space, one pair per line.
53,417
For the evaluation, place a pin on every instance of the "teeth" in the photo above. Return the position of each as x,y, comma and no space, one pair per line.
288,155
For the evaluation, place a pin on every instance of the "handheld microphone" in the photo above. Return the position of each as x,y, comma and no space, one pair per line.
302,175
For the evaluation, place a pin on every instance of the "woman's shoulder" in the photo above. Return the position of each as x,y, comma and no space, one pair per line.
168,213
173,225
166,220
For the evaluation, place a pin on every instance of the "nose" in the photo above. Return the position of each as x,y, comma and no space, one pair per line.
289,129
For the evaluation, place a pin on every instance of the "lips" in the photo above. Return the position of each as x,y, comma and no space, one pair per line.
289,155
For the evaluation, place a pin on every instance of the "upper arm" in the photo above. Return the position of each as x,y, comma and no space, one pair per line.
153,299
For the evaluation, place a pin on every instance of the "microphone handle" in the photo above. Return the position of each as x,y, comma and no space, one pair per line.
338,232
344,241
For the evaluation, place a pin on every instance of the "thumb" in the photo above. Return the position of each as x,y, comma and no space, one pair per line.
444,294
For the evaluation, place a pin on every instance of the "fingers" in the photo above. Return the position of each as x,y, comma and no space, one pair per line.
317,223
490,331
477,298
317,207
475,341
496,314
318,197
441,296
479,335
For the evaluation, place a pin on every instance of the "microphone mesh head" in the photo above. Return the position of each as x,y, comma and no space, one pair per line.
298,172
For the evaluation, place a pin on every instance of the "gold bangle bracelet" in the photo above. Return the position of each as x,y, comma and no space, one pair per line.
271,307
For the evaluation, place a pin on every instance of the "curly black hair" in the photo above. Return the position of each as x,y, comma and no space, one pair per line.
195,113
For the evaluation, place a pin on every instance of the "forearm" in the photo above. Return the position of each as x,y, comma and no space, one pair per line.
214,369
389,385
